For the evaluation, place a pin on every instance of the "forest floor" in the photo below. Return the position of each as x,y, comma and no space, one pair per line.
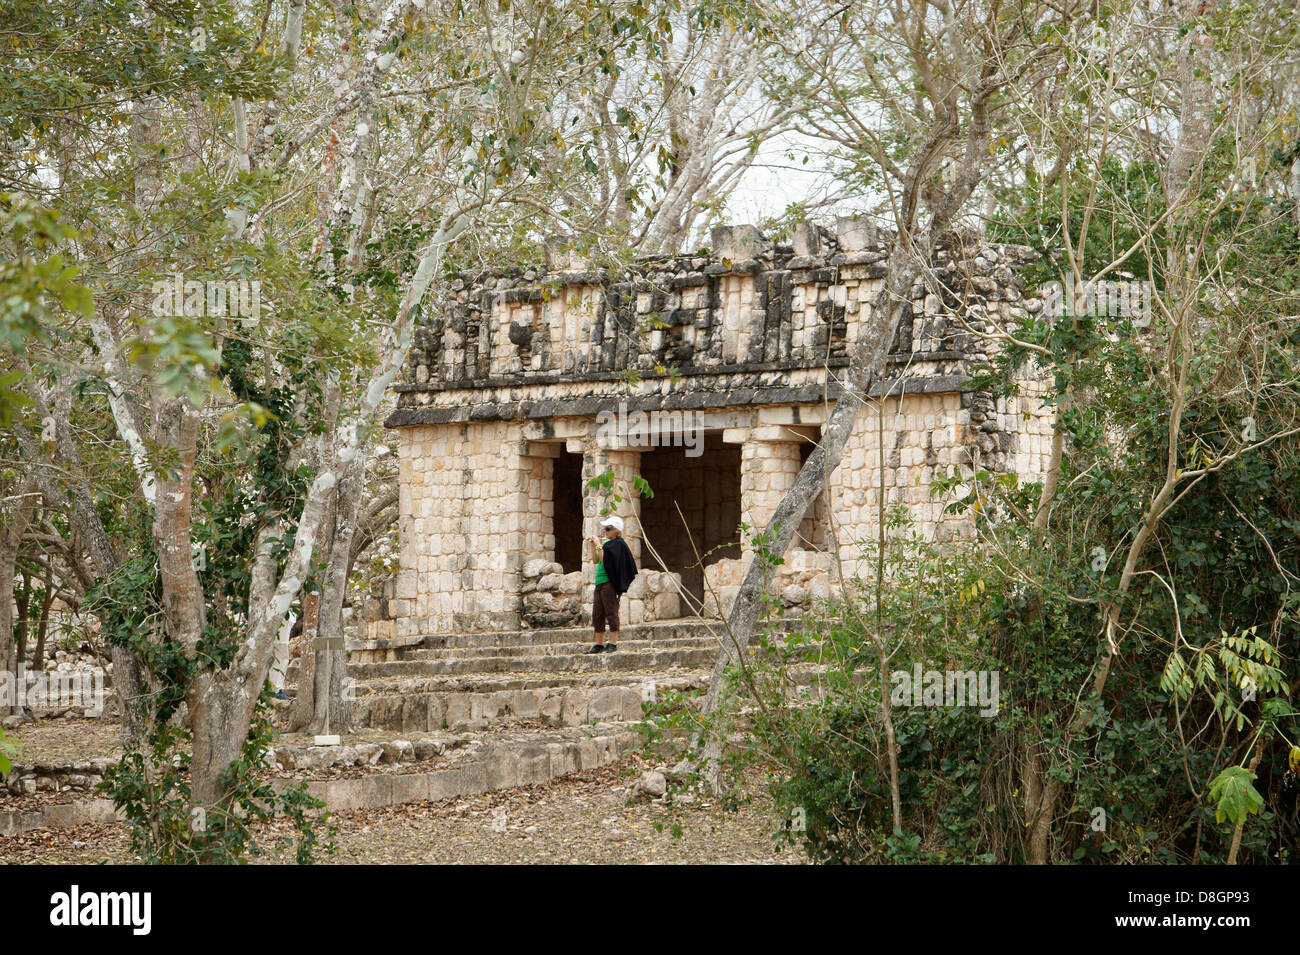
582,818
47,741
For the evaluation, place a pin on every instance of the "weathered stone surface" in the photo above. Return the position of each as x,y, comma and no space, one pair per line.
552,709
410,787
458,710
501,766
426,749
527,704
574,712
606,704
652,783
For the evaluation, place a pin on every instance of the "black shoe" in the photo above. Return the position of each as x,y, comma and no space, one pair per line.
597,649
611,647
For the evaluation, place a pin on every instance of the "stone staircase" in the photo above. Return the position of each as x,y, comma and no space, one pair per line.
499,709
484,711
475,681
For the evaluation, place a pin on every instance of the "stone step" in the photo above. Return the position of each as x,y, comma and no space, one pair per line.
571,662
502,761
62,815
632,668
368,651
494,682
552,699
547,650
580,662
553,706
540,657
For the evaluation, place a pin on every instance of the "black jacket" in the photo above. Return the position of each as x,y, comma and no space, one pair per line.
620,568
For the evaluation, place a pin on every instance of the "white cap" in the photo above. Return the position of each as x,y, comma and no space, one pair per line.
613,521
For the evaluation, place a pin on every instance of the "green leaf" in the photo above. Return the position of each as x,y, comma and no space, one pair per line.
1235,795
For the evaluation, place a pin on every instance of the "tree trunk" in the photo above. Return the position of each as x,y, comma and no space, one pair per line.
330,710
304,700
184,612
9,545
128,678
1196,95
79,505
38,655
23,604
312,668
221,708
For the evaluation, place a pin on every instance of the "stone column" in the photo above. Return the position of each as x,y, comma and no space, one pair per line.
626,464
769,463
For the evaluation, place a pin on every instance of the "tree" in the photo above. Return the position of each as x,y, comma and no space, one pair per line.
394,131
918,93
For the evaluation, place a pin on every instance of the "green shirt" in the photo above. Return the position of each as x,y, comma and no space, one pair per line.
601,577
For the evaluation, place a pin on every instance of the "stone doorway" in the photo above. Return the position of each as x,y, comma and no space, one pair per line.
707,489
567,513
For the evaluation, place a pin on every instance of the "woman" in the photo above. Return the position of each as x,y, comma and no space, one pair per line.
615,569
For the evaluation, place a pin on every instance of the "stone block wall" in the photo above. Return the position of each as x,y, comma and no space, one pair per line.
653,596
469,508
473,532
770,458
379,609
805,577
81,776
924,436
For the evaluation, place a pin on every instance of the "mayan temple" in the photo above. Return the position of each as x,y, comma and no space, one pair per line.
534,382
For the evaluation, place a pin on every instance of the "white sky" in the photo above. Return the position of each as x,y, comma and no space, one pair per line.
775,180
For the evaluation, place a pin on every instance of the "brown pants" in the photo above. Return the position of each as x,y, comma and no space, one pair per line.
604,608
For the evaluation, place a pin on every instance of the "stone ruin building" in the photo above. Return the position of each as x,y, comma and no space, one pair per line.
513,396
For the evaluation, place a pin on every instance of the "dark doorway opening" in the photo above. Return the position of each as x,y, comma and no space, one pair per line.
566,491
707,490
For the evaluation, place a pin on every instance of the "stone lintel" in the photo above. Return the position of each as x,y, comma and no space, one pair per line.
722,420
555,429
589,406
774,433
